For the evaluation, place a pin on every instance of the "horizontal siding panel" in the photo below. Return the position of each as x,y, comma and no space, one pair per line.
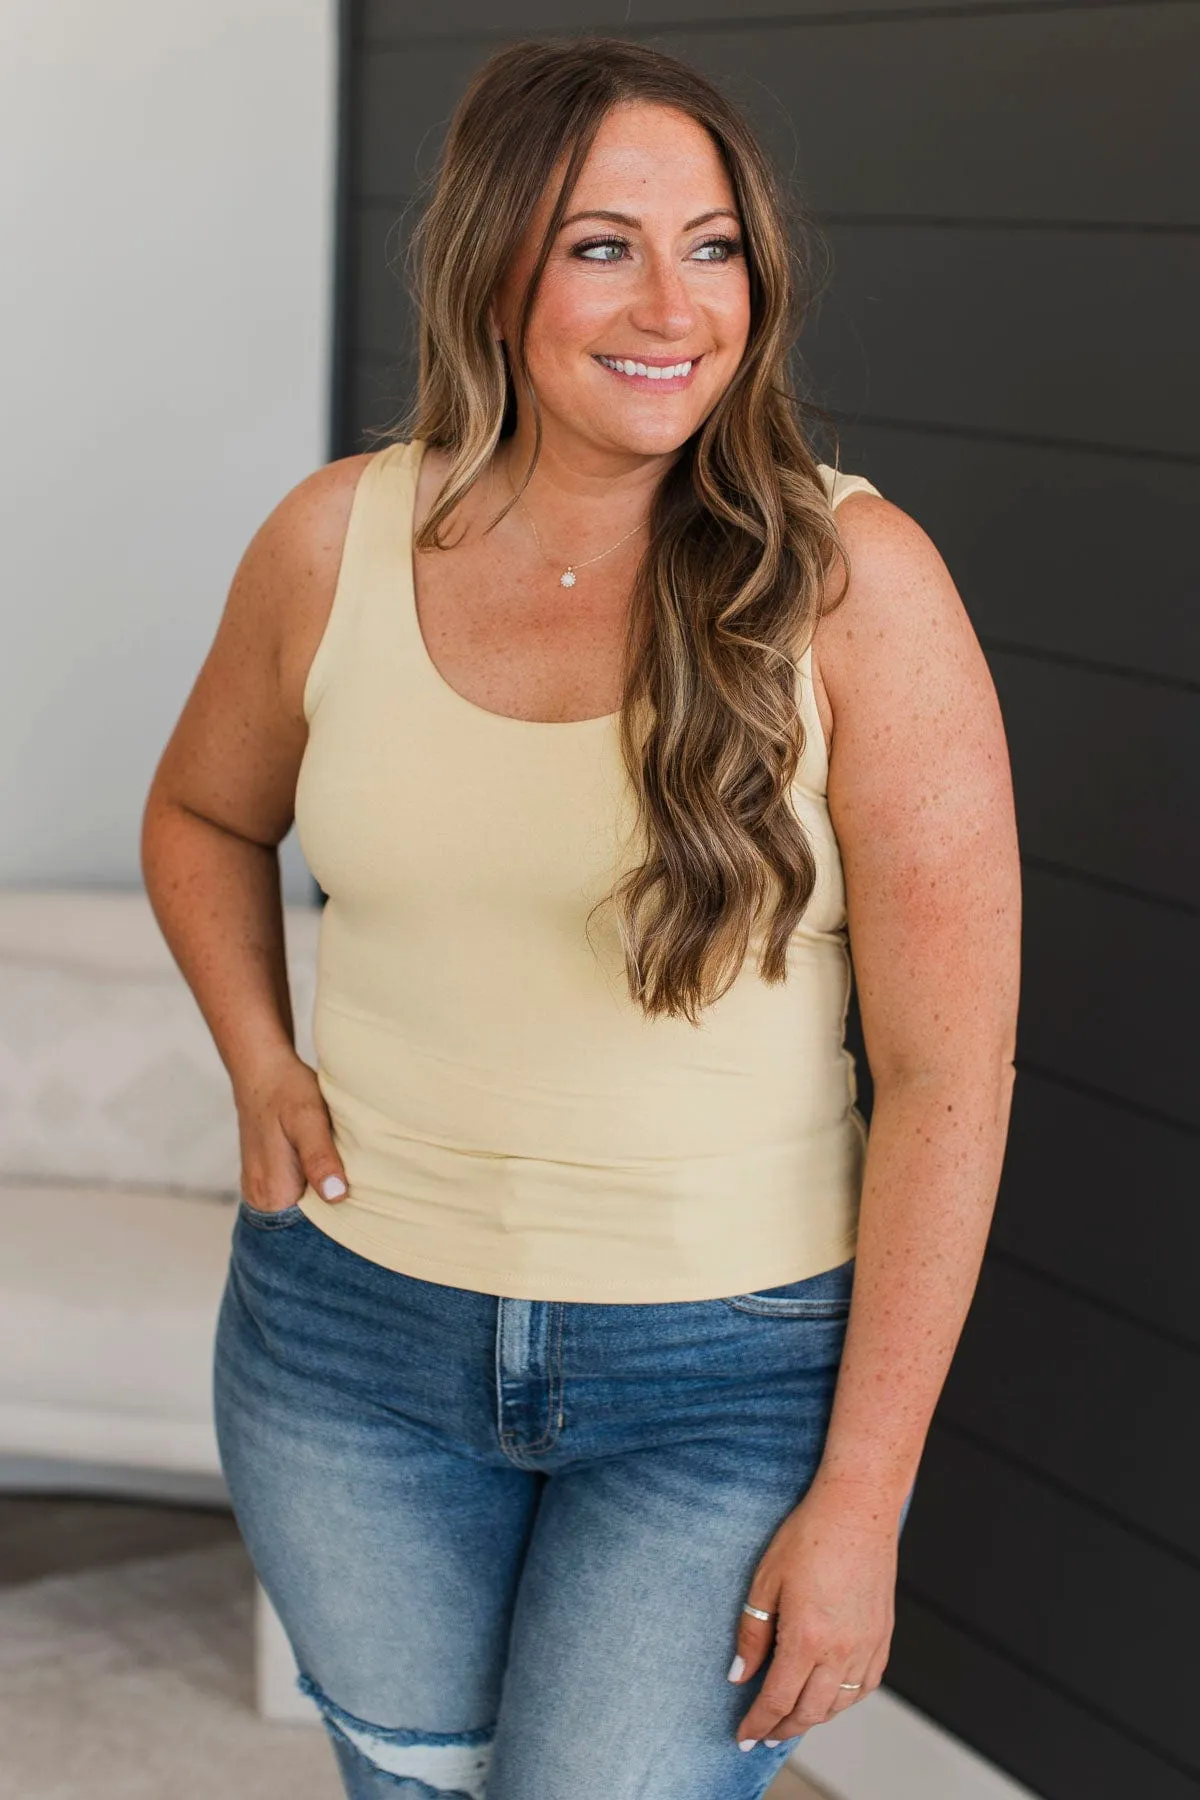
1010,1715
1045,334
1105,103
1116,525
377,247
1106,771
995,331
376,395
1103,1200
384,19
1108,1617
1058,550
1033,1624
1109,994
1090,1399
1021,380
405,102
918,118
1053,549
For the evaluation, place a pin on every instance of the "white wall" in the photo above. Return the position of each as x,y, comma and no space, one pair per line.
166,216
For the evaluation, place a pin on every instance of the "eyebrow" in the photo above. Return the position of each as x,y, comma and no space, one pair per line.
619,218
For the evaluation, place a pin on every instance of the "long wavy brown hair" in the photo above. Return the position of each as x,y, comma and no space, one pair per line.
742,539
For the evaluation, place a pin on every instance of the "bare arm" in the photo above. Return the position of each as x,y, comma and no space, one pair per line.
223,794
920,797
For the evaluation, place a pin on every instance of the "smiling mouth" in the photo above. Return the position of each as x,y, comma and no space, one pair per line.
650,374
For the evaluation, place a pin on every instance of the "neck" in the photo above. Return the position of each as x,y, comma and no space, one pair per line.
580,491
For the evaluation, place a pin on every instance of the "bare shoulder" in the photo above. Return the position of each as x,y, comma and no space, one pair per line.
236,747
901,616
920,798
282,590
295,556
919,762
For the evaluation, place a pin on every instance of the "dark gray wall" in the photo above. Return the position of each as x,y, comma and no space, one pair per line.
1010,190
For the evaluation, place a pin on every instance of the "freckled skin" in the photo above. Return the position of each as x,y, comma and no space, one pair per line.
919,794
662,291
920,797
492,613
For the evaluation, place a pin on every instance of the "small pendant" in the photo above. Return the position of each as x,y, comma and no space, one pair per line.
567,578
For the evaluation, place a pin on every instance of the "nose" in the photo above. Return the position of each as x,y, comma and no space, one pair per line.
663,305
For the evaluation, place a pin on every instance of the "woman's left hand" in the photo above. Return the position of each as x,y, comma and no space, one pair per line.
829,1576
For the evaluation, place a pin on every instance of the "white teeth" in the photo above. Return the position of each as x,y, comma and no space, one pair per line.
624,366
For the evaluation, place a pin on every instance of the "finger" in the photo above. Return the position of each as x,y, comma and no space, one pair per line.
799,1720
855,1683
268,1180
307,1125
821,1698
754,1640
878,1663
866,1681
785,1679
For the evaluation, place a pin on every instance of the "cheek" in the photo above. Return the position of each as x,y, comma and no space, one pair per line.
569,319
731,315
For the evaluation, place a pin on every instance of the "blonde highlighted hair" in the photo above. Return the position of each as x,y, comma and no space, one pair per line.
742,538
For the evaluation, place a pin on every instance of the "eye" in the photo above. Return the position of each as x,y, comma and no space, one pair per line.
726,249
593,249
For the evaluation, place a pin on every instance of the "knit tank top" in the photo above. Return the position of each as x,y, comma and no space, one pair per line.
509,1119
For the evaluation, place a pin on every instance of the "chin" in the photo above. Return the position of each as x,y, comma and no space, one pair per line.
652,437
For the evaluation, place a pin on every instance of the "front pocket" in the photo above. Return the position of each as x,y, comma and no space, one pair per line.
269,1221
825,1295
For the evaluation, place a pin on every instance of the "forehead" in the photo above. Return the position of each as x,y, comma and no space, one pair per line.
649,157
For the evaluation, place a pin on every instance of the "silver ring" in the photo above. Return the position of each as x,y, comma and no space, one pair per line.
850,1684
757,1612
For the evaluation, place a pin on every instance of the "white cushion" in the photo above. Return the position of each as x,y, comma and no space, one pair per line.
108,1306
108,1071
112,928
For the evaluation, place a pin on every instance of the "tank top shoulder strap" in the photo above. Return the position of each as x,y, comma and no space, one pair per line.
814,764
839,486
376,555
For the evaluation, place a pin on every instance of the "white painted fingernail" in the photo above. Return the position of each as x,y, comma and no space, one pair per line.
737,1669
747,1743
772,1743
331,1187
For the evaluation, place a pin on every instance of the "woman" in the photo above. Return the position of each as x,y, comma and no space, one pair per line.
539,1389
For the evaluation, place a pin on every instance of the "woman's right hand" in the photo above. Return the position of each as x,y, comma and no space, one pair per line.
286,1136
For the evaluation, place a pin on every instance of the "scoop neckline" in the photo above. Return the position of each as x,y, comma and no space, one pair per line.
416,452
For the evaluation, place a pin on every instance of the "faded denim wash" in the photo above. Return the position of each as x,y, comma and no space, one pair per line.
509,1540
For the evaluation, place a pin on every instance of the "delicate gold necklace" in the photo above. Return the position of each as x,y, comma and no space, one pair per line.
567,578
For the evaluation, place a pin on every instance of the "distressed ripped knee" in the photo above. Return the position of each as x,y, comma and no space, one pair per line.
422,1765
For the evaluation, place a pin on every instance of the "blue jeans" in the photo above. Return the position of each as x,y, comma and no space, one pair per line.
509,1540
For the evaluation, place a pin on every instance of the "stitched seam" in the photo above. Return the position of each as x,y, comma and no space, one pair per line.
813,1310
509,1441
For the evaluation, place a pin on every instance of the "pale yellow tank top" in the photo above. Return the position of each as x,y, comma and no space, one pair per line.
508,1118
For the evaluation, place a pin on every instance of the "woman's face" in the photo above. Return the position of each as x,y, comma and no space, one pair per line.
647,268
